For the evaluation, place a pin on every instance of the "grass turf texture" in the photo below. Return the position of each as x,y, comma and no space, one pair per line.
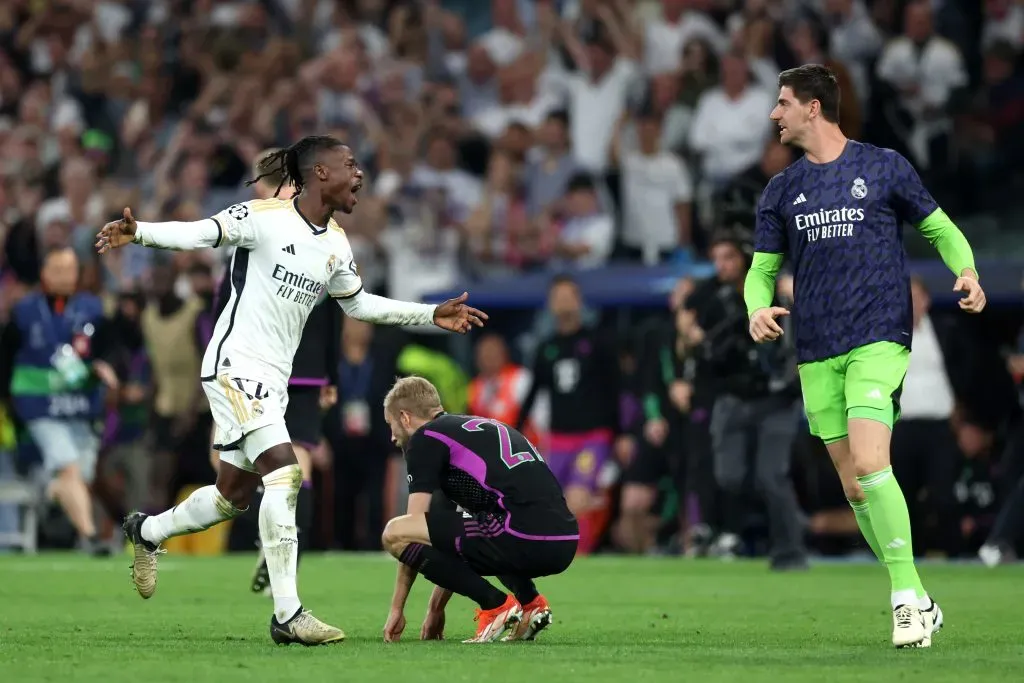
70,618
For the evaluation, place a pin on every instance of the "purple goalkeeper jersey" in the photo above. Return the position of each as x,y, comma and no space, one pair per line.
841,224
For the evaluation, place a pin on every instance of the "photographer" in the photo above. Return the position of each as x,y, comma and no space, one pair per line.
755,406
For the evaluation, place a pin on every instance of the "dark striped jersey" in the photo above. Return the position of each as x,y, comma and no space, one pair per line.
488,468
841,224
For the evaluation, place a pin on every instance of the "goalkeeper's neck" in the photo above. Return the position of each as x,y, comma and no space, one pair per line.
824,142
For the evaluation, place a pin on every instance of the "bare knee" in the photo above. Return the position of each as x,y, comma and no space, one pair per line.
237,486
578,499
869,446
844,461
69,473
391,538
305,461
274,458
637,499
852,489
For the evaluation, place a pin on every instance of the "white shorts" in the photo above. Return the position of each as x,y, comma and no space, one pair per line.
248,416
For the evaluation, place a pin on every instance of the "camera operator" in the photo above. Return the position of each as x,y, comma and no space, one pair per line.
755,407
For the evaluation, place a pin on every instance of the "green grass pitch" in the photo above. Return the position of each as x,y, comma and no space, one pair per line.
68,618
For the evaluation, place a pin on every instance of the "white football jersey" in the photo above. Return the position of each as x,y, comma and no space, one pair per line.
281,265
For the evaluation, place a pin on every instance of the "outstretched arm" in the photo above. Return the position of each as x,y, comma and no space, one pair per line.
378,309
232,226
452,315
180,236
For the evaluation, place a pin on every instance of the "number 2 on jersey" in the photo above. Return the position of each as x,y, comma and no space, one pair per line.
505,441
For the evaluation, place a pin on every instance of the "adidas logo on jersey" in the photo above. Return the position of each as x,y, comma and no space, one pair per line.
800,200
290,249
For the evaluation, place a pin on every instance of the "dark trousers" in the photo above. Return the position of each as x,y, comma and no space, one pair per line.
766,426
700,468
359,471
1008,529
925,460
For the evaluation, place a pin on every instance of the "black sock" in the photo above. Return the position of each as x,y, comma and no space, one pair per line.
451,574
521,587
304,518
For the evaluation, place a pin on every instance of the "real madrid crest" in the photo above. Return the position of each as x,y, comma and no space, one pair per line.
859,189
330,264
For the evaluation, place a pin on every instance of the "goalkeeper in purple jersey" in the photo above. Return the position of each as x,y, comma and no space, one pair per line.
838,214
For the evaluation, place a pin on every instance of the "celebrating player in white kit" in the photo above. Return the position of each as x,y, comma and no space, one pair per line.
286,252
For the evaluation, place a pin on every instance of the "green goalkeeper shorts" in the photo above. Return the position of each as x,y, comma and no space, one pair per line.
863,383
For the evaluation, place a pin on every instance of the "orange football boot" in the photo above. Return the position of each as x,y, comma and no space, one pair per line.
491,623
535,617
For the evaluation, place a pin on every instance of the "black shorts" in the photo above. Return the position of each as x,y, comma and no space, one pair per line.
653,463
303,417
491,550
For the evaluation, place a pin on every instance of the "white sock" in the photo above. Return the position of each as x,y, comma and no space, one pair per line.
201,510
906,597
280,539
924,603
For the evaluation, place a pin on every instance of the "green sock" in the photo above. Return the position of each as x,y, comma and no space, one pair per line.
890,520
862,512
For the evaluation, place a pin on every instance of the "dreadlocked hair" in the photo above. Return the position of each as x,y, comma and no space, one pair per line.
289,164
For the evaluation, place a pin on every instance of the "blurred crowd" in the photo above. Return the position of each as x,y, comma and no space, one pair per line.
497,137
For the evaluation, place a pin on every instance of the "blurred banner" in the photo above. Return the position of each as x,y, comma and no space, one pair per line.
650,286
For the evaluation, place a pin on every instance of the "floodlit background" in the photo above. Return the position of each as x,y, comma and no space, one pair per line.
503,142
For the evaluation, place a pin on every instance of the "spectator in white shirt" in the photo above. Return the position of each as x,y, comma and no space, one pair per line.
731,125
665,38
504,41
478,86
854,40
598,91
656,196
1004,21
461,190
519,101
925,70
663,99
587,233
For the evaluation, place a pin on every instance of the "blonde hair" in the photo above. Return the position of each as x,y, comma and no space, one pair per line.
414,395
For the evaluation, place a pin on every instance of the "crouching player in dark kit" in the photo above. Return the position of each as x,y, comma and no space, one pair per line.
513,521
